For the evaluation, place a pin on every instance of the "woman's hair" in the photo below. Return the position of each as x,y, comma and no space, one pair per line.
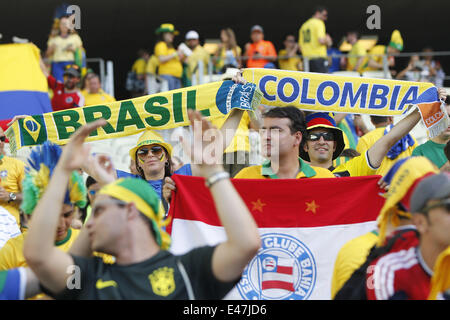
161,38
232,44
168,167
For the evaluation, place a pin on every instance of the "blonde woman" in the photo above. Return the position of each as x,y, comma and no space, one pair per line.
228,54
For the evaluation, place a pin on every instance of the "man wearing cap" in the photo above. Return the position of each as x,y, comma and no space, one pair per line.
395,230
260,53
197,55
170,67
406,274
126,222
374,58
325,142
66,94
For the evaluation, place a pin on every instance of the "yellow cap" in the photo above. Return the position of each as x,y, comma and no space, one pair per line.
150,137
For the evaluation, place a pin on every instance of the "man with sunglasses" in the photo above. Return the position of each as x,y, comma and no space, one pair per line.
406,274
66,94
12,172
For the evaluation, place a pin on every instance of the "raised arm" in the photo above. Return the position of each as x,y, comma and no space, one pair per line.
380,148
49,263
243,241
228,129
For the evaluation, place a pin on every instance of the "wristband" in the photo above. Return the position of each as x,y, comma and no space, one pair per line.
216,177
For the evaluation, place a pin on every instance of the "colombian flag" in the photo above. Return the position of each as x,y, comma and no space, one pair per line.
23,86
303,223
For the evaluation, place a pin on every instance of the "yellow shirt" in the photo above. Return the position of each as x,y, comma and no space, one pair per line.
368,140
198,54
350,257
139,66
152,65
309,34
358,51
289,63
356,167
240,141
237,51
377,50
60,53
101,97
11,254
12,172
264,171
172,67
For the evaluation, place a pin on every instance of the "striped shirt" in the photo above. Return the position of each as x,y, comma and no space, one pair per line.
399,275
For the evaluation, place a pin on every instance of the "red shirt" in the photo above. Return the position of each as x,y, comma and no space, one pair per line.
264,48
401,272
62,100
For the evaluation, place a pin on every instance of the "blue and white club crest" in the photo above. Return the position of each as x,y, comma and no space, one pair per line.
3,173
283,269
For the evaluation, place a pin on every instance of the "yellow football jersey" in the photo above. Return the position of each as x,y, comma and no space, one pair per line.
12,172
309,34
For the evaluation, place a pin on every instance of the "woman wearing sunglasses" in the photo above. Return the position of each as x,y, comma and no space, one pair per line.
153,159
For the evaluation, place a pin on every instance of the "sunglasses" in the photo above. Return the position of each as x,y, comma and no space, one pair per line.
155,150
3,138
444,203
327,136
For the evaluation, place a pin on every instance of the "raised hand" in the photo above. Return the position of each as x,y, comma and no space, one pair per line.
75,152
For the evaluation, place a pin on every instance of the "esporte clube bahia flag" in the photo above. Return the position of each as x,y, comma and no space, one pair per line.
302,223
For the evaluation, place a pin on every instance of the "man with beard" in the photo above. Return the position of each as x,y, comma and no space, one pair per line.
66,94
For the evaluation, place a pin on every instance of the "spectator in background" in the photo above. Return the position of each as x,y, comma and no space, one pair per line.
357,53
136,77
12,172
402,149
170,67
433,149
66,94
196,58
94,93
313,41
62,47
374,58
390,276
431,69
228,54
260,53
288,58
334,62
412,72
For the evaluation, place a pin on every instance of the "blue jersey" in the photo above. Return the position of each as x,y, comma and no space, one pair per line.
12,284
157,184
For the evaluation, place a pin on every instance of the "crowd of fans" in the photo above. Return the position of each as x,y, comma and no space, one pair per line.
122,223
